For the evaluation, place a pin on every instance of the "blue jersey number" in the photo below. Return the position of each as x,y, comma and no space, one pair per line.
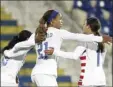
43,47
98,59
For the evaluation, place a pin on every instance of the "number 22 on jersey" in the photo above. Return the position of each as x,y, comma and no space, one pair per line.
41,49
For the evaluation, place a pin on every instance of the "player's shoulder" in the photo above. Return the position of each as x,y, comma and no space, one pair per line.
62,30
32,35
55,29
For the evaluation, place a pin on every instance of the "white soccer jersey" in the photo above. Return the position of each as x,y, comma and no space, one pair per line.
10,67
92,72
46,64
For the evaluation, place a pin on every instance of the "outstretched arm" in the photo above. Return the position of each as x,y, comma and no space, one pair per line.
69,55
12,54
83,37
37,37
25,44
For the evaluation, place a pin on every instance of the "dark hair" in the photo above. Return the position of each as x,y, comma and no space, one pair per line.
22,36
44,19
95,26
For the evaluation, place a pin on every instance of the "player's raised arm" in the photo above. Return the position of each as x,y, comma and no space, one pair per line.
20,48
83,37
37,37
69,55
10,53
25,44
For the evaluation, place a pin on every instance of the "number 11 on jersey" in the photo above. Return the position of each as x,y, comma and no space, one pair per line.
42,48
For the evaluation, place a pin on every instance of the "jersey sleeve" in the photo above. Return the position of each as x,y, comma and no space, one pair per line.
21,48
70,55
11,53
25,44
80,37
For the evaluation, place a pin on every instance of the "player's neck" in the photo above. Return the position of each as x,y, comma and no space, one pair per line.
49,26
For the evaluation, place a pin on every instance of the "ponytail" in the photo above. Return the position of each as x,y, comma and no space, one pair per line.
42,26
45,21
95,25
100,44
11,43
42,21
22,36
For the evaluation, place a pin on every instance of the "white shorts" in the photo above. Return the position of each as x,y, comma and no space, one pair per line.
44,80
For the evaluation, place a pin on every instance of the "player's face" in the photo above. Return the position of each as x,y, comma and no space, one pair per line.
57,22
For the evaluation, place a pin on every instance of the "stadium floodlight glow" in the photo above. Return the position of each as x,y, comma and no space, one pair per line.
106,29
79,3
102,3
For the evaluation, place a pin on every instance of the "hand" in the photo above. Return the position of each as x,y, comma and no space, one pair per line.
50,51
39,38
107,39
40,35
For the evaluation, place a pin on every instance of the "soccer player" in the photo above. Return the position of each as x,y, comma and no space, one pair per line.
45,71
91,55
12,59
